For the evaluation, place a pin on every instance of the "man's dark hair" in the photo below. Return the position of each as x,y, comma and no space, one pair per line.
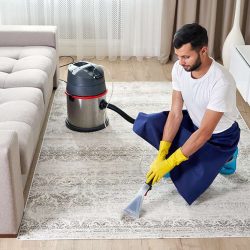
192,33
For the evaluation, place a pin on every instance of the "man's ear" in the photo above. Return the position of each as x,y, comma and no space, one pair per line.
204,50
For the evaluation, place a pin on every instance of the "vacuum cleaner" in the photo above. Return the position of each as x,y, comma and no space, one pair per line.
86,103
86,98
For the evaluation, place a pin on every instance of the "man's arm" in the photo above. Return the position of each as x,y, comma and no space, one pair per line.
174,117
203,134
195,141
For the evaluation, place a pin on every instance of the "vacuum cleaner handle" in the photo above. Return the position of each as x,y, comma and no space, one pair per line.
150,187
150,183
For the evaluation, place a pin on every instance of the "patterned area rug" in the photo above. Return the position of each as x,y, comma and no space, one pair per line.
83,181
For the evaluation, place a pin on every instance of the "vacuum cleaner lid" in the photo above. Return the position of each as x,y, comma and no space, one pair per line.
85,79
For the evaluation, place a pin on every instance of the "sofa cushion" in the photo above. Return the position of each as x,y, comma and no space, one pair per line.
38,50
6,64
21,52
32,95
27,78
22,110
31,66
34,62
11,52
3,76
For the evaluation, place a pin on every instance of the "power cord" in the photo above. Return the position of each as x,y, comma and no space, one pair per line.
63,81
73,60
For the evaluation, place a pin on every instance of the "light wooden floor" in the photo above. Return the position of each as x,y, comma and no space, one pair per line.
132,70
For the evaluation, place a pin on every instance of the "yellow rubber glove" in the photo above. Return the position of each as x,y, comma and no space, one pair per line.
165,166
163,151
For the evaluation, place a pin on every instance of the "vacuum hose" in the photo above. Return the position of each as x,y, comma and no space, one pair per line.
103,104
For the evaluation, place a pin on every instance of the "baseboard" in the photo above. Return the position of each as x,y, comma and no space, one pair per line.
8,235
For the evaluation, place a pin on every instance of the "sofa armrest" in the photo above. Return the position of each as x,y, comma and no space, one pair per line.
11,188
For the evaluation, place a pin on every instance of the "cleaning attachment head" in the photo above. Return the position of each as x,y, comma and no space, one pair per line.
134,207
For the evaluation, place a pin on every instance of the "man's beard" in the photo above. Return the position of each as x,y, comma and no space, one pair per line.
195,66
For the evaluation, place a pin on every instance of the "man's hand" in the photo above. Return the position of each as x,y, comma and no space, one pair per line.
159,169
163,151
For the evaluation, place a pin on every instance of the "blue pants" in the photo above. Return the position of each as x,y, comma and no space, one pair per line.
194,176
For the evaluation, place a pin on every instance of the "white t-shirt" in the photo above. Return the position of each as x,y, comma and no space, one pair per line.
216,90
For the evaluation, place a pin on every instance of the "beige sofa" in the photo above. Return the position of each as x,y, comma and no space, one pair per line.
28,73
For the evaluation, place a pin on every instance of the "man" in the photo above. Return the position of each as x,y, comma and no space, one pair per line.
196,143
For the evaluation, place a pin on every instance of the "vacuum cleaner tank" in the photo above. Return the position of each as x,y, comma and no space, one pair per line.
85,90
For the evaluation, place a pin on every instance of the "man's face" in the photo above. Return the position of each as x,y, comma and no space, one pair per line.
189,58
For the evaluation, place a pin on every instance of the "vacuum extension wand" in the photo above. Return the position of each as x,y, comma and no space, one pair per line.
103,104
